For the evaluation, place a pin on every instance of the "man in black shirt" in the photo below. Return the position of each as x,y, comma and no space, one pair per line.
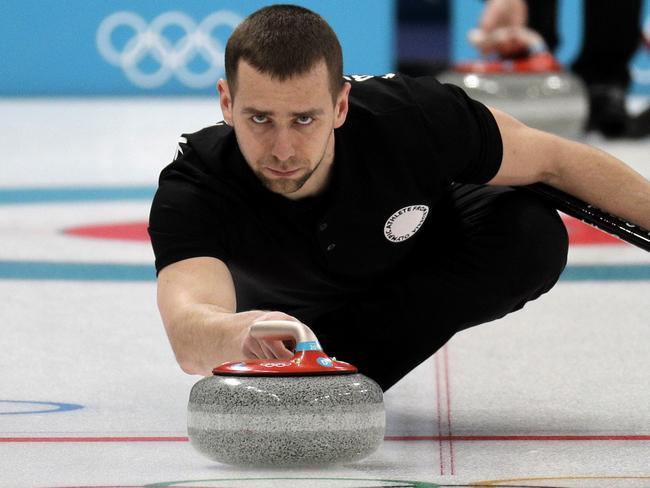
373,209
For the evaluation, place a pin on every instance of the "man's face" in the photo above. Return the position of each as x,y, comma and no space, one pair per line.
285,128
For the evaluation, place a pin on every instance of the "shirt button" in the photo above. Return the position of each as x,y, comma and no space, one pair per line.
323,226
331,246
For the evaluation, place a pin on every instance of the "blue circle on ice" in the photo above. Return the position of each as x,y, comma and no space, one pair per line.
25,407
327,362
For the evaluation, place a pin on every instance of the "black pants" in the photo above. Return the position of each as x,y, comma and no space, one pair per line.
612,32
494,250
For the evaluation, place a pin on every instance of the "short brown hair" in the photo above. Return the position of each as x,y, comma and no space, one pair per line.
285,41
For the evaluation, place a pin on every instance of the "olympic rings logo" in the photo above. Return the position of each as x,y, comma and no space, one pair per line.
173,58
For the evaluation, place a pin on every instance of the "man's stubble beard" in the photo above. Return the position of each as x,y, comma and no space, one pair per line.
284,185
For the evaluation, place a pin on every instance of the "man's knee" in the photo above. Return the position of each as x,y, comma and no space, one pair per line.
538,245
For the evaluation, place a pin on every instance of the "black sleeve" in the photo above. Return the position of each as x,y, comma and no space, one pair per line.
463,130
183,221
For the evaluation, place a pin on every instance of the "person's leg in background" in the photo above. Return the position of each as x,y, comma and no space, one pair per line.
542,18
495,250
612,34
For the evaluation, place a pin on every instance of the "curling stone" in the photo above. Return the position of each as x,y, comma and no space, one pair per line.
309,410
534,89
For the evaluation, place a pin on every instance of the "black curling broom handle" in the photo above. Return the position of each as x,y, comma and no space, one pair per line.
575,207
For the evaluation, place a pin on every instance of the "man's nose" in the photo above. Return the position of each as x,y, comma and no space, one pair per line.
282,145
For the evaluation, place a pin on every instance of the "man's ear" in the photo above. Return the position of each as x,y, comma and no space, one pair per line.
225,100
341,108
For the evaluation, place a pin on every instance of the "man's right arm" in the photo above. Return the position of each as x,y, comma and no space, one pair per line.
197,303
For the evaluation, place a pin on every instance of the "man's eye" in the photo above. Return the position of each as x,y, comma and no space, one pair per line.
260,119
304,120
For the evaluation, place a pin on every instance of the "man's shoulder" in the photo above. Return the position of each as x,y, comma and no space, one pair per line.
383,94
201,156
209,139
212,146
220,128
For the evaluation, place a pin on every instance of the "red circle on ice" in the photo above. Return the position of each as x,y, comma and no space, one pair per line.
585,234
579,232
129,231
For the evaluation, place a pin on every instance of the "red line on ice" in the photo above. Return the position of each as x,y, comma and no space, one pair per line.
442,464
93,439
451,445
563,438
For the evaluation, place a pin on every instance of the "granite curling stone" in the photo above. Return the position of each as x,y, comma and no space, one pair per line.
534,89
307,411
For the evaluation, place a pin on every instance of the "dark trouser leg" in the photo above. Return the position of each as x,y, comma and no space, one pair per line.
498,249
612,33
542,17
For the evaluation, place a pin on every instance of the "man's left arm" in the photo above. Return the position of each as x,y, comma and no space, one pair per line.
532,156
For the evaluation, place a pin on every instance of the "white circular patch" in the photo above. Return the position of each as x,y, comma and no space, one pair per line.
405,222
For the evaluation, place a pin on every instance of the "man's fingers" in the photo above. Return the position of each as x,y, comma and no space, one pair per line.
484,41
281,350
275,316
506,41
269,352
252,349
477,37
503,13
270,349
493,18
266,349
276,350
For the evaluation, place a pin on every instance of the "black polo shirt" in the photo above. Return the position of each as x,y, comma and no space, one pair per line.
404,140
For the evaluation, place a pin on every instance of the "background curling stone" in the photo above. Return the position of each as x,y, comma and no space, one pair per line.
535,90
310,410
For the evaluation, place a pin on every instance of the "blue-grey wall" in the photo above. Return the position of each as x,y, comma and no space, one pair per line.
155,47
